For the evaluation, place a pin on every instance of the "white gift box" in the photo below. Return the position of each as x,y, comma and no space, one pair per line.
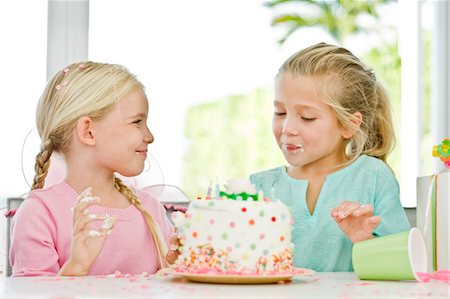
433,213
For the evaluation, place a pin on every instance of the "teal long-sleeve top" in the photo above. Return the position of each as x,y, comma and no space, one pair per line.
319,243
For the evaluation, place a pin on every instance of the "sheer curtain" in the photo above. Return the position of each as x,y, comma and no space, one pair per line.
423,24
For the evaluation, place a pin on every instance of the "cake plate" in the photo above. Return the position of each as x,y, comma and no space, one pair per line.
242,278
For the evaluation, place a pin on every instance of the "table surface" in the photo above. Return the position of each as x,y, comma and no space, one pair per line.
322,285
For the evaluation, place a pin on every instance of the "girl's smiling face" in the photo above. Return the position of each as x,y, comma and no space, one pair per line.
305,128
124,135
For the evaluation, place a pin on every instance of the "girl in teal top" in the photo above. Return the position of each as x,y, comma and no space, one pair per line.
332,121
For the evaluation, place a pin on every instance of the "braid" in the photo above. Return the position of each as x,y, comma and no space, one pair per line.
42,165
157,235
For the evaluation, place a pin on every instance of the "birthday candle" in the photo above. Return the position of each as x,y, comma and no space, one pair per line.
217,191
208,192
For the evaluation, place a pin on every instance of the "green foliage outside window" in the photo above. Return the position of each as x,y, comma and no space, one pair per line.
230,137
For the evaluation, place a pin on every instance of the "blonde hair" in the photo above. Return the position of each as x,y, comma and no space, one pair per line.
348,86
85,89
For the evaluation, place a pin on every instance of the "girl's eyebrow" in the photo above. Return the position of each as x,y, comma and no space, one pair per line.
307,107
139,114
298,106
277,103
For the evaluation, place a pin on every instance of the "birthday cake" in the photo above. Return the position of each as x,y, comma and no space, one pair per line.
235,232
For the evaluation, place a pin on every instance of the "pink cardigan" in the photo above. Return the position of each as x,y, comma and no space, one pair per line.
42,232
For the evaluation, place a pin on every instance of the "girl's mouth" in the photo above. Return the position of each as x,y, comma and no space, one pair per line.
143,153
293,147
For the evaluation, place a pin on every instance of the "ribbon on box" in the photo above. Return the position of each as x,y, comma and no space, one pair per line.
431,212
442,151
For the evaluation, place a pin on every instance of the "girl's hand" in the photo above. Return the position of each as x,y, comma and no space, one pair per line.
355,220
86,242
173,253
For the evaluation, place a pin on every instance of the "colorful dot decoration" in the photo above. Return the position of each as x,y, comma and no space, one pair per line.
233,224
218,229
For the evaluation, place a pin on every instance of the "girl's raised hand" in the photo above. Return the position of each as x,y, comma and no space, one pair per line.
86,242
355,220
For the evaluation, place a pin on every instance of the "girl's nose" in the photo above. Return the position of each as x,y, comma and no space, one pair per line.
148,137
290,126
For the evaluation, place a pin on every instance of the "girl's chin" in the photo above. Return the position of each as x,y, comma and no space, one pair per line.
294,162
132,173
297,159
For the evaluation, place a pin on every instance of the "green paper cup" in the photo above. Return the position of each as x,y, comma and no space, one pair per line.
393,257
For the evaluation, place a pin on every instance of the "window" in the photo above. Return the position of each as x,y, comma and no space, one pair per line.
23,53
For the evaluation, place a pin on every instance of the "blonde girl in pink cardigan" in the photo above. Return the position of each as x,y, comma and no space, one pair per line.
91,223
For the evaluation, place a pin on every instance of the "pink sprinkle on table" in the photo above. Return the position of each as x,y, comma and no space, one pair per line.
441,275
361,284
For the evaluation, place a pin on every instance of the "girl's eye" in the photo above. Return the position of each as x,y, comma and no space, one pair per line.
308,118
138,121
279,113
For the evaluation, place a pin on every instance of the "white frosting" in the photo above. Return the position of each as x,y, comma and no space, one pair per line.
248,229
88,198
238,185
94,233
107,223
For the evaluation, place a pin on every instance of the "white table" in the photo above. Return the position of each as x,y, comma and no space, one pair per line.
322,285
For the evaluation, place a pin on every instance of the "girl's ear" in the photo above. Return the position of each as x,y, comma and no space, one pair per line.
356,119
85,129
